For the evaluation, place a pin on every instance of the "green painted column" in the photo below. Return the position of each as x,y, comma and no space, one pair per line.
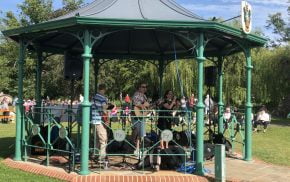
219,163
220,95
200,107
38,84
86,105
19,104
248,119
96,72
160,74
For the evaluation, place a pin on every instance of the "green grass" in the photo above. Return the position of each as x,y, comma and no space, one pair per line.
7,140
272,146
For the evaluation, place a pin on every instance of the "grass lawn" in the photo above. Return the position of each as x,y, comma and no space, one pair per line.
272,147
7,140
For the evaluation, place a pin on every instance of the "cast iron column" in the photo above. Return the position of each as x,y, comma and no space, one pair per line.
220,95
38,84
200,106
19,103
96,72
248,119
160,74
86,105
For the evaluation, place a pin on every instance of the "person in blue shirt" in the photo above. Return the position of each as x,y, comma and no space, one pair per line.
100,119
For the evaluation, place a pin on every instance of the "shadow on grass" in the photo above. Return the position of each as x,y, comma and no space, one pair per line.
7,147
280,122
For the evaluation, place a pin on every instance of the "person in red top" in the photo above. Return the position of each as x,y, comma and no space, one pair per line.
192,101
127,105
127,99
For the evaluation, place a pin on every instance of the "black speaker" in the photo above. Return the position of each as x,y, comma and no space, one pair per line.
73,66
173,159
210,73
39,150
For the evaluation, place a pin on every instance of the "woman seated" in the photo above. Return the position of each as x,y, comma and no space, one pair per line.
263,118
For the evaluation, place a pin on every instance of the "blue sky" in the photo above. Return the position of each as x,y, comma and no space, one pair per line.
205,8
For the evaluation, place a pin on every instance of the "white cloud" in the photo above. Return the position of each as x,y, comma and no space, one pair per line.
226,11
272,2
265,2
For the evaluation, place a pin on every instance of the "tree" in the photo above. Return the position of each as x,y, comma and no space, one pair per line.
68,6
35,11
31,12
279,27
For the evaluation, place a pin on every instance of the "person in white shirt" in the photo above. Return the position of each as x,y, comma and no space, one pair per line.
227,116
183,103
209,103
263,118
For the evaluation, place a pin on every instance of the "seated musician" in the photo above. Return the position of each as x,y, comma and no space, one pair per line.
165,116
140,104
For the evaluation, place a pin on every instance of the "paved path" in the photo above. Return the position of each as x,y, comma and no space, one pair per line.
254,171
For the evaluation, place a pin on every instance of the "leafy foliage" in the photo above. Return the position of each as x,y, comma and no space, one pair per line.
280,27
35,11
32,12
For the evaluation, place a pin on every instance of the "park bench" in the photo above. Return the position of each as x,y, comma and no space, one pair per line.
5,116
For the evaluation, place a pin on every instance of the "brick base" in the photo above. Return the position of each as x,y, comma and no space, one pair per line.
59,173
53,172
143,178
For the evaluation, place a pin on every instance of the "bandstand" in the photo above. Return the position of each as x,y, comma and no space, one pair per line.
141,30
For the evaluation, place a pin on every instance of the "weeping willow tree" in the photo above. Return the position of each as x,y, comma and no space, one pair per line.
234,79
181,75
122,76
271,75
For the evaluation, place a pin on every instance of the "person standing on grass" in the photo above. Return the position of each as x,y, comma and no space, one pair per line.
209,103
5,108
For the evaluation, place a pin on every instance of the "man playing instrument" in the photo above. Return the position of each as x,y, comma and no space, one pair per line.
140,105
